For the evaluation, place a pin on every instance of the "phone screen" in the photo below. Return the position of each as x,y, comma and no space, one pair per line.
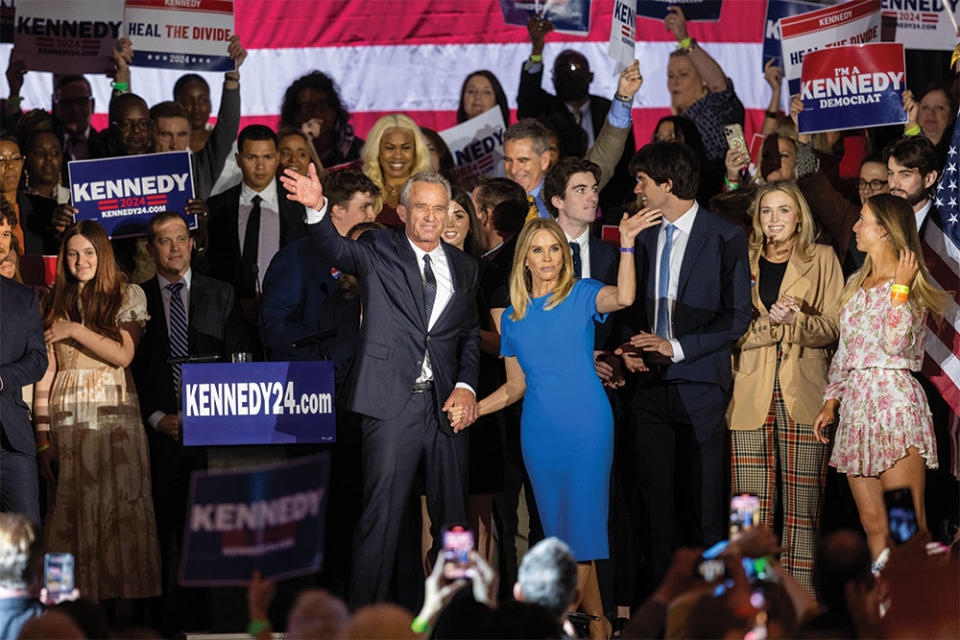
901,514
457,545
58,572
744,512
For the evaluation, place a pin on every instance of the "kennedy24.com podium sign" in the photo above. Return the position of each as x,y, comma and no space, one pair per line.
123,193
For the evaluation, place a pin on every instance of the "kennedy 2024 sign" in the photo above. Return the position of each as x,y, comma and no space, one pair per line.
123,193
848,87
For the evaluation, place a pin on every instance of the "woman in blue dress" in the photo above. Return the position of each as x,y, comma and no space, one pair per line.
566,431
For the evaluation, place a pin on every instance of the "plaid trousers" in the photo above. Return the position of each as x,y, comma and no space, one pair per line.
783,448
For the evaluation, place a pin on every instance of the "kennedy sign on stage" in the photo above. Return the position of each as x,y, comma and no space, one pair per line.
850,87
258,403
123,193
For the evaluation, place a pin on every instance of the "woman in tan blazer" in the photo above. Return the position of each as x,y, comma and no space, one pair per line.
780,370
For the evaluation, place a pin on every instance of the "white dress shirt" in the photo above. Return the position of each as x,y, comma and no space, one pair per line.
584,242
922,214
682,228
165,296
269,242
441,271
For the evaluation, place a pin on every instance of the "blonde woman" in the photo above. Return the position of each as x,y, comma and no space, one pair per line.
395,150
780,369
884,437
566,430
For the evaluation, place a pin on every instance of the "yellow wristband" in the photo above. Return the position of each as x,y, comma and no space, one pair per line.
900,288
685,43
912,131
536,57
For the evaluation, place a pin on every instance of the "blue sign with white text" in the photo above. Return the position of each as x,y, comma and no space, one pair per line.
777,9
572,16
693,10
269,520
123,193
258,403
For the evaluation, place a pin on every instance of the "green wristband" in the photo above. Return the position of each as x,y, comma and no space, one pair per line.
912,131
731,186
536,57
419,625
685,43
121,86
256,627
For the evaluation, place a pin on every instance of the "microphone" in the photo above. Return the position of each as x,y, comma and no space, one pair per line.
193,359
316,338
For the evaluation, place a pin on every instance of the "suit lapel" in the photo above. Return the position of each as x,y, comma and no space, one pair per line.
453,265
411,271
649,240
151,289
698,236
196,291
796,270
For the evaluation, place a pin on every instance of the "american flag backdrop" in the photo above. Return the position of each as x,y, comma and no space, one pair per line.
941,240
411,56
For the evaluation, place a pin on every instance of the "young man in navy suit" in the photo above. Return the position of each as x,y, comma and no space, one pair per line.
696,304
417,358
23,361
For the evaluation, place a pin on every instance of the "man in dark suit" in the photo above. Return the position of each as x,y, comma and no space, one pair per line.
190,314
252,221
695,303
417,359
299,281
584,114
23,361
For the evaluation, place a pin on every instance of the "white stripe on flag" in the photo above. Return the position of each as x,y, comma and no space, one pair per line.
418,77
947,360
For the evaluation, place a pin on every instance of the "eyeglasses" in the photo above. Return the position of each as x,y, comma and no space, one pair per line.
872,185
7,161
127,126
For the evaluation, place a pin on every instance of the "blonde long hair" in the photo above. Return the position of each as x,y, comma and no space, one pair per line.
896,217
370,154
806,231
521,282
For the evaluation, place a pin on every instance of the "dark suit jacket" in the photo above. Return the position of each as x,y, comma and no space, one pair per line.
36,218
533,102
225,248
713,298
301,298
604,264
214,325
23,360
394,335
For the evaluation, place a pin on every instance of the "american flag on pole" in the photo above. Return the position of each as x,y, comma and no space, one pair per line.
941,248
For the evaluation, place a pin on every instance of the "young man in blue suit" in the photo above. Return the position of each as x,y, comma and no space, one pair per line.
417,358
695,305
23,361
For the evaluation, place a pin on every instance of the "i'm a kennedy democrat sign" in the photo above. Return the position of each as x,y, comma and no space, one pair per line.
848,87
123,193
269,520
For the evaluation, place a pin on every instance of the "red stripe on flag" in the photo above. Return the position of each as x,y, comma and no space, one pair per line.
271,24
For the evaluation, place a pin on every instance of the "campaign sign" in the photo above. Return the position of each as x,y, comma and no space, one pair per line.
191,34
258,403
54,35
850,23
924,24
623,33
693,10
477,145
849,87
269,520
567,16
777,9
123,193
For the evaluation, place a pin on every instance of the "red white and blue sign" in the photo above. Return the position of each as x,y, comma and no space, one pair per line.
777,9
123,193
258,403
269,520
851,87
570,16
186,34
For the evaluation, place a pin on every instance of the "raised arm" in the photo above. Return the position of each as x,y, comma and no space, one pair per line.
710,72
211,158
609,144
621,296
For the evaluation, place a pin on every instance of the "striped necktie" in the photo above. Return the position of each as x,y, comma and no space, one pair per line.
177,329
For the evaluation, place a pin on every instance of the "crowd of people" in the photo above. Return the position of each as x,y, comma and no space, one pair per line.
586,407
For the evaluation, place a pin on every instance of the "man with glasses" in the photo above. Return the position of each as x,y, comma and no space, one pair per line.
73,104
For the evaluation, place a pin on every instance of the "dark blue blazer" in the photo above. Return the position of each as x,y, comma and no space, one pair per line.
604,264
713,298
23,360
394,334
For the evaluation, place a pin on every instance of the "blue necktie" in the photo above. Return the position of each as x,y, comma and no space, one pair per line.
663,284
178,329
429,287
577,263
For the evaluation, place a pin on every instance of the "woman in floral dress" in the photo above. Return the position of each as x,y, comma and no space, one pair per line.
884,437
88,423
